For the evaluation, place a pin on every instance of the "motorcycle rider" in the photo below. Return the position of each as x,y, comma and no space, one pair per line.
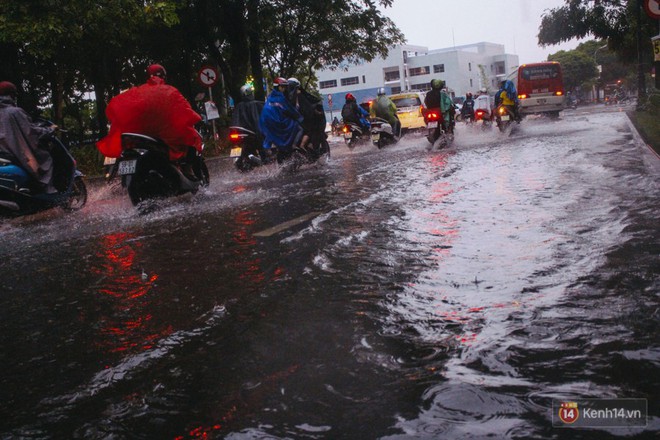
384,108
467,111
438,98
154,109
311,109
508,96
19,139
247,113
353,113
280,122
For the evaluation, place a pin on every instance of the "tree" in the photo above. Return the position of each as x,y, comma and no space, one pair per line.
614,21
578,67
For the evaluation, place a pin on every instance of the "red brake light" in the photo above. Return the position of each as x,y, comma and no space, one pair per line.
234,136
522,96
433,116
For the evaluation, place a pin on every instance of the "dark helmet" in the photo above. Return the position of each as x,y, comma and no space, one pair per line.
468,95
350,97
381,91
247,92
437,84
156,70
8,89
279,81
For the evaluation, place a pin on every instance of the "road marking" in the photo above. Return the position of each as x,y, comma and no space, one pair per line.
286,225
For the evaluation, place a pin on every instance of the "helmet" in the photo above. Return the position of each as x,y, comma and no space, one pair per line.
8,89
293,82
437,84
350,97
156,70
279,81
381,91
247,92
468,95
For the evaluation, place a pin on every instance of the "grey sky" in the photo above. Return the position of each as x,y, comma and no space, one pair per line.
445,23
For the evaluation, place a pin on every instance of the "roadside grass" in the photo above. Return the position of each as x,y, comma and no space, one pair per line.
647,123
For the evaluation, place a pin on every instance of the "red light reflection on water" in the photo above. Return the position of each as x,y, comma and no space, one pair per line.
126,321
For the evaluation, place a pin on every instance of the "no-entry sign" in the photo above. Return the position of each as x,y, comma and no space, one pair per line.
208,76
652,8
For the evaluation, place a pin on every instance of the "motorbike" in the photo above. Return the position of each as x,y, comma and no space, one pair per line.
504,117
437,135
20,194
483,117
292,159
382,133
247,149
147,172
353,134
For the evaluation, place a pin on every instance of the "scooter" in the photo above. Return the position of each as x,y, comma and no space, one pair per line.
20,194
436,134
504,117
147,172
353,134
382,133
247,149
482,117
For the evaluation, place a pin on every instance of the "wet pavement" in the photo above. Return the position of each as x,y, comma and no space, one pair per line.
394,293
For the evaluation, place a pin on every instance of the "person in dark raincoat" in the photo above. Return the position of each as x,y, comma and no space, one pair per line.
153,109
280,122
20,139
311,109
438,98
247,113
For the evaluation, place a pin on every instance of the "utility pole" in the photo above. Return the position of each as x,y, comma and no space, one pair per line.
641,83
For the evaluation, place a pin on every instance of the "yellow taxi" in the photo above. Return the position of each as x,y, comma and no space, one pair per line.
409,108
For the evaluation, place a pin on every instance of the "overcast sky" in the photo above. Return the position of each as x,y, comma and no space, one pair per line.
439,24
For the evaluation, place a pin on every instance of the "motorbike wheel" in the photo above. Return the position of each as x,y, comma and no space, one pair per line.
78,196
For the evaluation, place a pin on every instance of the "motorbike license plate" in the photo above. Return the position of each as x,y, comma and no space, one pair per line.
127,167
109,160
433,124
235,152
505,117
348,135
375,137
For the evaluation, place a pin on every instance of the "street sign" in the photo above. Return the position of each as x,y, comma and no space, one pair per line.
208,76
656,47
652,8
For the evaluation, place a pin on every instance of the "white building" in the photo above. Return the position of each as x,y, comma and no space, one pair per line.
465,69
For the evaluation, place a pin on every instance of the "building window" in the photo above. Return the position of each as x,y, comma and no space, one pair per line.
424,87
350,81
469,67
364,79
393,75
438,68
328,84
396,90
416,71
470,82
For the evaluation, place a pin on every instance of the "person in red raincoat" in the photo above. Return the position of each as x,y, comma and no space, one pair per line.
154,109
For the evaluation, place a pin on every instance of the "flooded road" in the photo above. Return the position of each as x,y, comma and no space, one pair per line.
387,294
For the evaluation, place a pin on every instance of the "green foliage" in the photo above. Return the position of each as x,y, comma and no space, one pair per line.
578,67
612,20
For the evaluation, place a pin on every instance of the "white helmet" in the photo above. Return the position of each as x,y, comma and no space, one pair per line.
293,82
381,91
247,92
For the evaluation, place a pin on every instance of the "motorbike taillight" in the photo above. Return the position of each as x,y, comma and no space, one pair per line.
345,129
234,137
432,116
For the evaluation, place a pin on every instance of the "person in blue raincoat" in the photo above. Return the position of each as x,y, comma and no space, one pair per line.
508,95
280,122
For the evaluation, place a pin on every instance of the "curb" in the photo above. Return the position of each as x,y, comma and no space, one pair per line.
651,154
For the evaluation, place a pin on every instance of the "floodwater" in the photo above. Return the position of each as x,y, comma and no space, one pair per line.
413,294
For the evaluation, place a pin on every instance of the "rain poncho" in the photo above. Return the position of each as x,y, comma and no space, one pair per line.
19,141
507,95
280,122
384,108
154,109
